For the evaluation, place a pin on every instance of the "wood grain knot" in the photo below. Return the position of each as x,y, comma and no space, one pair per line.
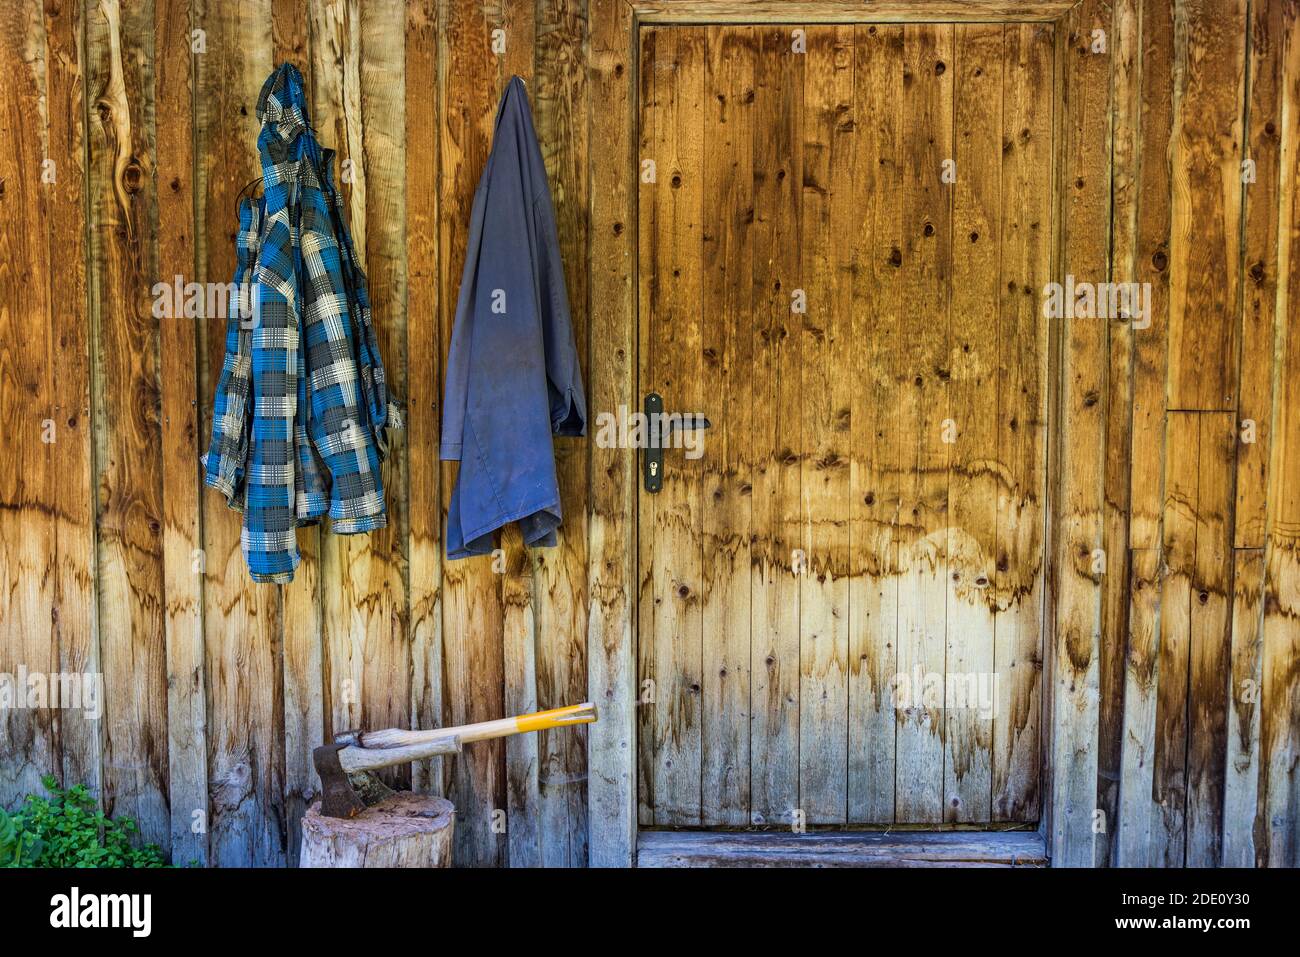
132,177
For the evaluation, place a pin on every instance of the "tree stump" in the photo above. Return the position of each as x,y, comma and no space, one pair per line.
405,830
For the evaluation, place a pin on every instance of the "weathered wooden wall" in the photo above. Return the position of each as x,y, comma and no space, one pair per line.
127,129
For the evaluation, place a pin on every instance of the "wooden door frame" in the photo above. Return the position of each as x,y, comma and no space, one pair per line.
1077,354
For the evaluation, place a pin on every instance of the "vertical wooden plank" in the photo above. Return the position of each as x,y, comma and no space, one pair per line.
178,375
560,580
424,398
973,480
1210,640
1278,840
1242,765
676,373
646,112
927,265
471,79
1085,178
1023,388
827,202
1138,816
1205,251
778,237
291,34
1182,453
1121,330
334,41
877,447
1143,82
728,489
120,63
1149,264
611,531
357,109
300,605
1259,272
242,635
383,553
28,528
69,376
519,639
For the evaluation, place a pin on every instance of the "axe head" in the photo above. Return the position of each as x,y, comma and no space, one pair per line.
343,794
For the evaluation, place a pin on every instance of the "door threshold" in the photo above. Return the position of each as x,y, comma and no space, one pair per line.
841,849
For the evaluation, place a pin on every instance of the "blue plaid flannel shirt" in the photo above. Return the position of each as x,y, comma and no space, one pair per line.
299,423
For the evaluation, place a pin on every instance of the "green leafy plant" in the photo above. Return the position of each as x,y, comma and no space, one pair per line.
18,848
67,829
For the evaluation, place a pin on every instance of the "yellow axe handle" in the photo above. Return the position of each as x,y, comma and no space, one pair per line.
482,731
556,717
540,721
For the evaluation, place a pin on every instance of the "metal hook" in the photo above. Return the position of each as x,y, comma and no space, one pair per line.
250,184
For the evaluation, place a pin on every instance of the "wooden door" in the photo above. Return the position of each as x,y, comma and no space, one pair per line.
844,237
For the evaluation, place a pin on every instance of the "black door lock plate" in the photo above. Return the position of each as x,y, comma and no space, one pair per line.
659,429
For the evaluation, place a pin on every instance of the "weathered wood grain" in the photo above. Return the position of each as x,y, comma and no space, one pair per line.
28,515
424,380
611,674
674,369
1143,37
803,357
1205,231
519,639
1259,280
140,197
129,556
925,336
974,478
1242,763
471,78
1022,395
1177,596
827,201
727,346
357,110
1119,415
178,337
847,11
300,600
471,612
776,437
405,830
561,110
71,472
382,591
828,849
1077,538
877,470
242,620
1138,818
1210,648
645,124
1278,837
1150,265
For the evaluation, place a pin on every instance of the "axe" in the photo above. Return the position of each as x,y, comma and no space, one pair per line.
348,785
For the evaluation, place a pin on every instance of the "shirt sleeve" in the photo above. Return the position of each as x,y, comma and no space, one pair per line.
456,388
568,402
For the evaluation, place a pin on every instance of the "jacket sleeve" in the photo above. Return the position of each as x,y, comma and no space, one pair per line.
568,403
456,388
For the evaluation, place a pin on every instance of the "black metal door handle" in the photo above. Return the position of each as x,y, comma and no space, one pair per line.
659,429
